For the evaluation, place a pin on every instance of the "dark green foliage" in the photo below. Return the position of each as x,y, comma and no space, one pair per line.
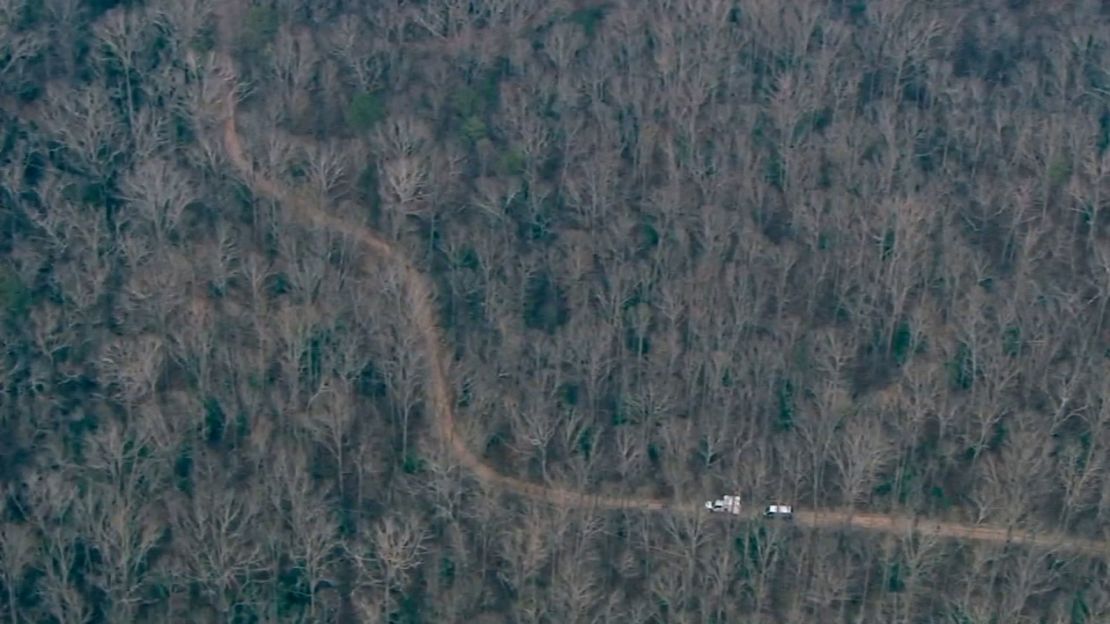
637,343
15,298
1059,170
1103,141
277,284
810,123
215,421
1080,612
473,129
889,240
545,304
294,590
259,29
413,464
312,357
371,381
589,18
784,390
939,497
915,86
586,442
183,469
901,344
472,104
619,412
182,130
98,7
895,582
365,111
447,569
511,162
467,102
242,426
774,171
205,39
961,373
644,238
244,614
468,259
998,436
1012,341
870,89
968,55
568,394
408,610
908,484
773,222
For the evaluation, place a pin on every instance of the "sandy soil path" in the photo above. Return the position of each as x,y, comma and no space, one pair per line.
442,407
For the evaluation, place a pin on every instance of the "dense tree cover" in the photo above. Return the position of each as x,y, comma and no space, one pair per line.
842,253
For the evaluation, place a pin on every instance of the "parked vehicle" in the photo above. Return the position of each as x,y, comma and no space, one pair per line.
725,504
779,511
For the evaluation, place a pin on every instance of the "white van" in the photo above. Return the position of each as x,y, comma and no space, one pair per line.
779,511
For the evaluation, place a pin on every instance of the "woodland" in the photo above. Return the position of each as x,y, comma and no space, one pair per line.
849,255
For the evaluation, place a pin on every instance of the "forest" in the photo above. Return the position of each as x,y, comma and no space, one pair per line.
421,311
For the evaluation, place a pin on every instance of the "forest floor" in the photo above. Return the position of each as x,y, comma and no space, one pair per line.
441,406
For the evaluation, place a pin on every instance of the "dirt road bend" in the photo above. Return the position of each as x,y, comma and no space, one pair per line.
441,405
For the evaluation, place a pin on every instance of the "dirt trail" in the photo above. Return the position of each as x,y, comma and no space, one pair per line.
442,408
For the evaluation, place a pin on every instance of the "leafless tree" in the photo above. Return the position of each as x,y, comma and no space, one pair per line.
160,193
85,123
353,48
17,46
397,547
330,411
18,544
219,536
293,63
862,452
122,36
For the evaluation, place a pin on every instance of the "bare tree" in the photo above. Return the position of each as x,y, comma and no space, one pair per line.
861,452
133,366
121,35
85,123
219,537
404,372
18,544
576,590
16,47
326,166
330,412
313,542
397,547
160,192
293,64
62,600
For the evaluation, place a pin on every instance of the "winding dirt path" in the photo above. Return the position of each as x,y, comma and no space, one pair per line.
442,408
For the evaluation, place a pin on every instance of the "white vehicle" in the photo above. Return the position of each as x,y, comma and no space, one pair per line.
725,504
779,511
